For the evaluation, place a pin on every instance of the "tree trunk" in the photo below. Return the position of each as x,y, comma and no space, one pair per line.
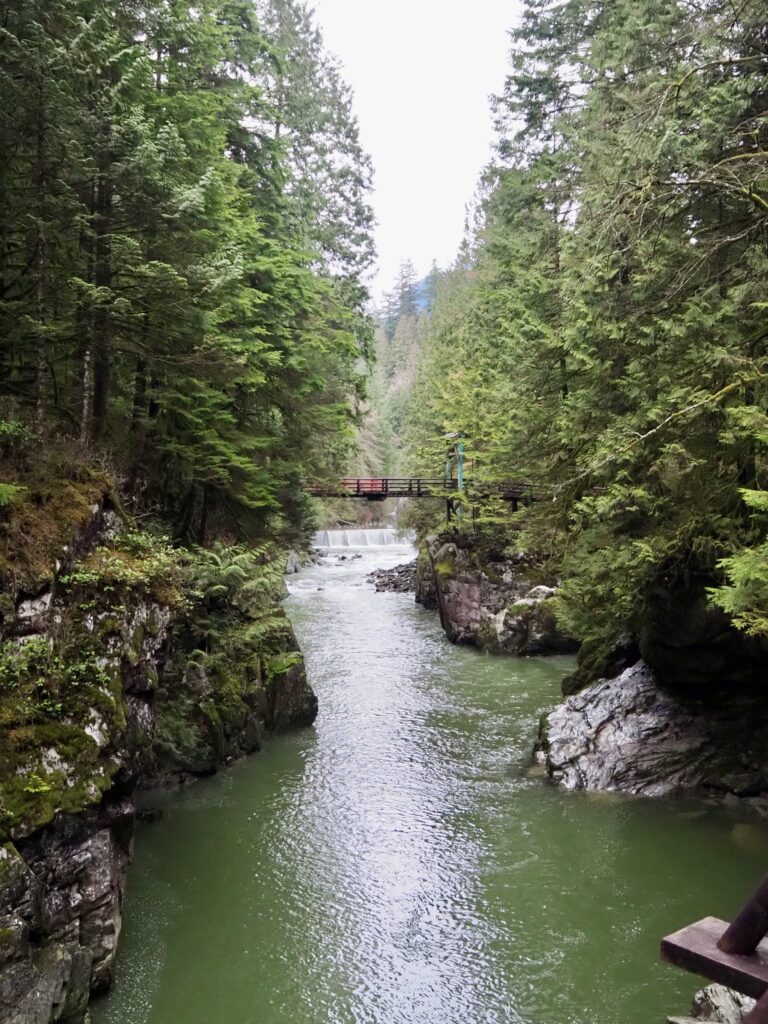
203,528
40,254
103,321
86,395
188,513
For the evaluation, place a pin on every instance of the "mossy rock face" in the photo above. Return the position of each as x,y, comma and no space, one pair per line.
55,520
120,672
444,568
426,590
48,769
598,660
65,728
221,706
293,701
115,668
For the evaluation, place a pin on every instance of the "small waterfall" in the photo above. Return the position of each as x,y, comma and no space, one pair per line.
357,538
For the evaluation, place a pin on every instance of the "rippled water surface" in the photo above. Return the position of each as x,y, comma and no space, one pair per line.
401,863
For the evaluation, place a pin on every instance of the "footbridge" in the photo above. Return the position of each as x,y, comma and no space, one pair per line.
452,490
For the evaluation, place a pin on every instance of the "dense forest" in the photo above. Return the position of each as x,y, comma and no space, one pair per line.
185,238
602,332
187,341
185,232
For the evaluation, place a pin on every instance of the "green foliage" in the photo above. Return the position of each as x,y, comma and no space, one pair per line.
185,230
745,596
10,494
279,664
744,592
37,785
601,334
41,681
142,562
229,652
15,438
244,580
234,617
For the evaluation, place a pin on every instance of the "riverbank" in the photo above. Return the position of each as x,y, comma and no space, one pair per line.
124,663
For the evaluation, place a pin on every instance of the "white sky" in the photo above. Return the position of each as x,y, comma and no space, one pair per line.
422,72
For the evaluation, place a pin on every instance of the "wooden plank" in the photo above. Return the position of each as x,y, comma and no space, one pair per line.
695,949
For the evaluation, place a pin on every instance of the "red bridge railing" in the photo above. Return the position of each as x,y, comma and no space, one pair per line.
384,487
379,488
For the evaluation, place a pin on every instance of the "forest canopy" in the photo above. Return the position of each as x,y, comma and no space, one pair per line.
185,233
603,332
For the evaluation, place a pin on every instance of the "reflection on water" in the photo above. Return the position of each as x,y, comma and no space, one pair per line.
401,862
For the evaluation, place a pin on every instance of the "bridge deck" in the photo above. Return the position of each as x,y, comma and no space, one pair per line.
380,488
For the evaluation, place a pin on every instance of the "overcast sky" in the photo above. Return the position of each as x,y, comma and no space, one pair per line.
422,72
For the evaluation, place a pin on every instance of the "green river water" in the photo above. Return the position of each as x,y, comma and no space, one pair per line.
401,863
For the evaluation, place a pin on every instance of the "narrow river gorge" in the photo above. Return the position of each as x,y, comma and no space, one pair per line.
403,862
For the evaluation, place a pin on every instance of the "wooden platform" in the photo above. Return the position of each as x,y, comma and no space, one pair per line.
695,949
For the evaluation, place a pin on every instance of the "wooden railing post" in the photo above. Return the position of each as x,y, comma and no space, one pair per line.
759,1012
749,926
742,937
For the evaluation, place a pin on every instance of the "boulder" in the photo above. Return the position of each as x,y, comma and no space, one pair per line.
718,1005
400,580
491,602
424,583
721,1004
629,735
292,563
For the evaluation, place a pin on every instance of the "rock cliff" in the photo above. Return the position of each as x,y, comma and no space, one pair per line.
105,685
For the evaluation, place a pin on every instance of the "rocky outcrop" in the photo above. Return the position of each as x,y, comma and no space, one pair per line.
628,735
60,896
100,693
718,1005
491,602
72,753
400,580
424,582
292,563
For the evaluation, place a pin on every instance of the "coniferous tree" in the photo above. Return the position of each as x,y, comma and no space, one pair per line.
602,336
164,296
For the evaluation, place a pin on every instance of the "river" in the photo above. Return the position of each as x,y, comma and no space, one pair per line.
402,863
